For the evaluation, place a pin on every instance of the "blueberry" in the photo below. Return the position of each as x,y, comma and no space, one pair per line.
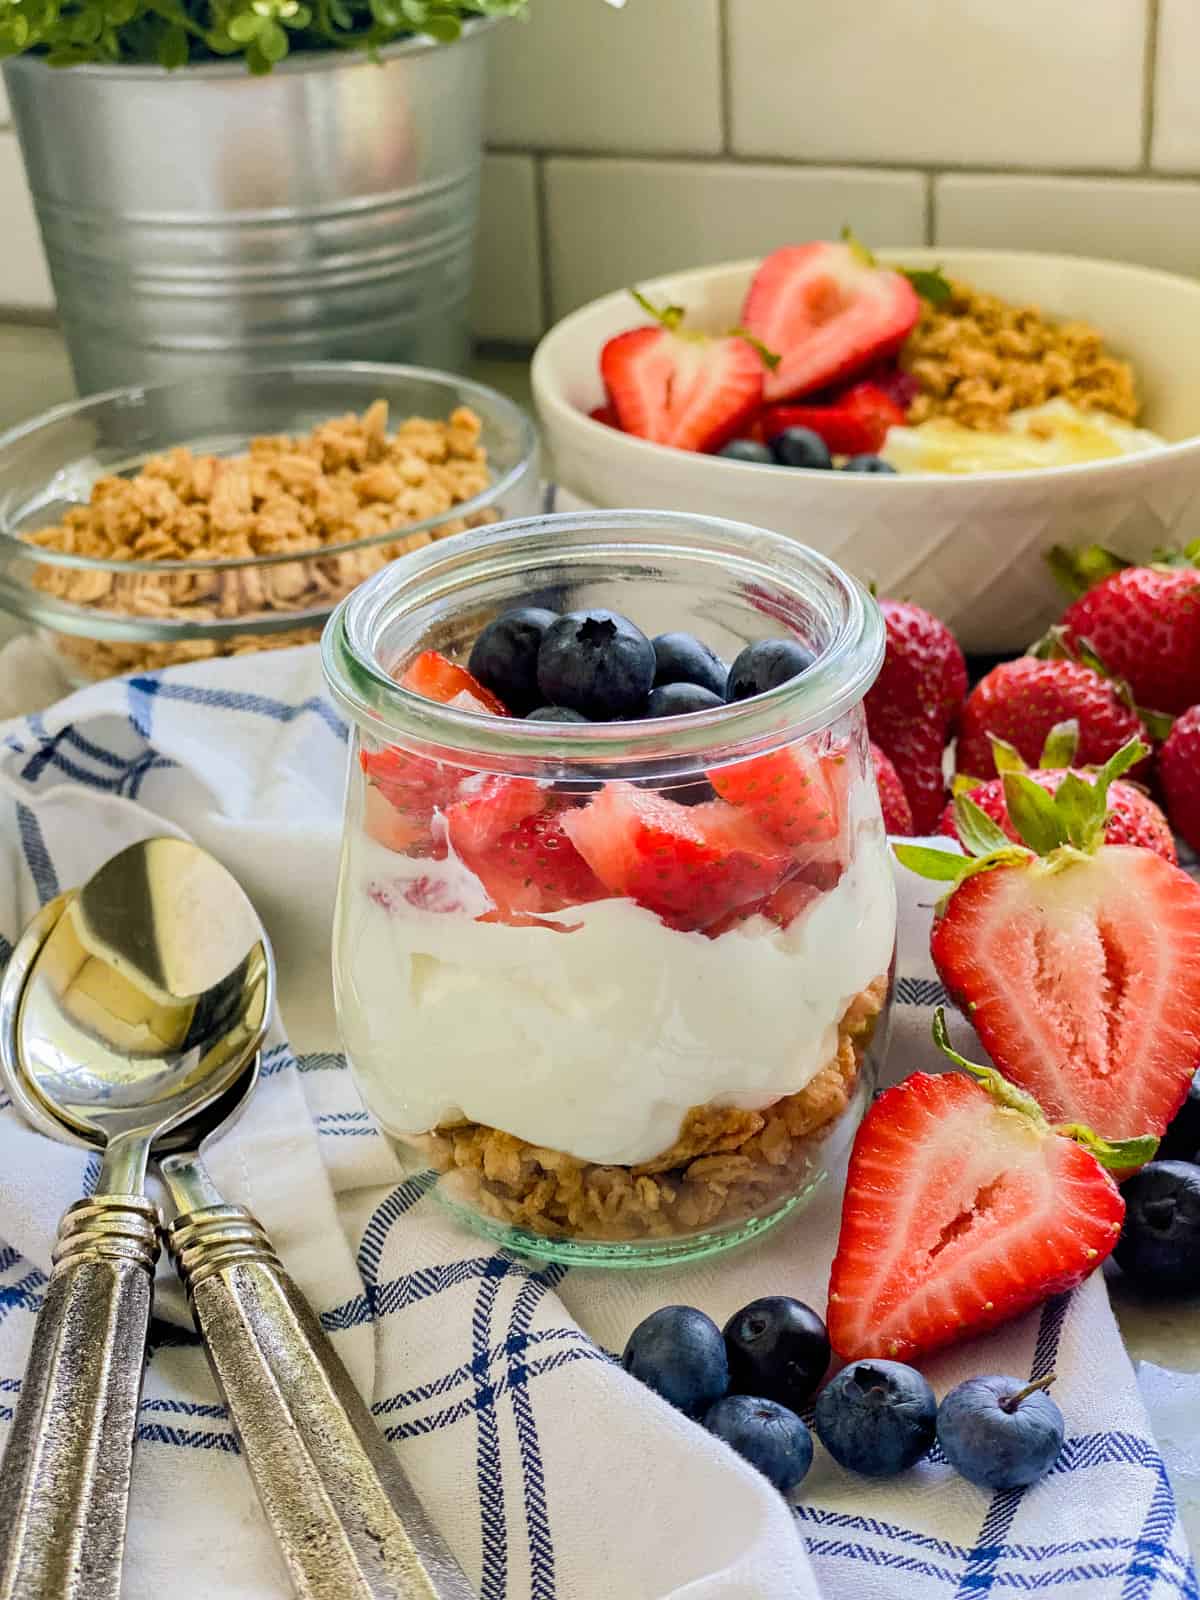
1000,1433
876,1417
678,658
801,447
1181,1142
677,699
597,663
747,450
505,656
1159,1245
768,1436
869,464
777,1347
765,665
554,714
679,1353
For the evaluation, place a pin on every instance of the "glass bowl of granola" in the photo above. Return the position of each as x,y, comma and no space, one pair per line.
620,978
1042,400
231,513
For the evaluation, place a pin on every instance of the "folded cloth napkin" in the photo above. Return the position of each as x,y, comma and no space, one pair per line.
553,1474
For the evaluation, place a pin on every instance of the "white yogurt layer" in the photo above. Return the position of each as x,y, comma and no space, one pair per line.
598,1041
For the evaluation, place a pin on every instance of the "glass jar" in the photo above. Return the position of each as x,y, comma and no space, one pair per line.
620,983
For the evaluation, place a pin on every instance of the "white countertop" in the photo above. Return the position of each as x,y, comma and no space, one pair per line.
35,374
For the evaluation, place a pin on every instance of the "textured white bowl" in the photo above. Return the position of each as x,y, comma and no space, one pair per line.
968,548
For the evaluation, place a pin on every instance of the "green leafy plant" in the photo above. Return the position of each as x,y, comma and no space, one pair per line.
177,33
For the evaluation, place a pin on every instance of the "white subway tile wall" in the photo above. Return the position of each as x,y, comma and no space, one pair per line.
678,132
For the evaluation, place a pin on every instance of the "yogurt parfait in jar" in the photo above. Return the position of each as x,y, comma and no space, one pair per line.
616,917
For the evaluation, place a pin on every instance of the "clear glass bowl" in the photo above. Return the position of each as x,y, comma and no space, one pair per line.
109,615
618,982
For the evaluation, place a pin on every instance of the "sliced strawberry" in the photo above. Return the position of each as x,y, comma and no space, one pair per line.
827,314
790,792
1082,980
487,806
682,389
851,424
392,828
512,838
436,677
959,1214
414,789
693,865
782,907
606,415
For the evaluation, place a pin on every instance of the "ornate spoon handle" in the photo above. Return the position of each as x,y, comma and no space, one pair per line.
347,1518
64,1480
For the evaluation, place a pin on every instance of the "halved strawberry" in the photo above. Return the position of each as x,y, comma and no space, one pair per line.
963,1208
827,314
487,806
853,423
606,415
509,832
434,676
681,389
781,907
414,789
690,864
1079,965
793,794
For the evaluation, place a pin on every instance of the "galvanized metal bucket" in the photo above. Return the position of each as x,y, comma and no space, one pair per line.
206,220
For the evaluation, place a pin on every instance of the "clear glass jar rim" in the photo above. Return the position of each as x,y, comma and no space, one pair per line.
834,684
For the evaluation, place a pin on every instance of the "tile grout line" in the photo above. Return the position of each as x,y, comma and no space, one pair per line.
1149,81
541,207
776,164
724,64
931,208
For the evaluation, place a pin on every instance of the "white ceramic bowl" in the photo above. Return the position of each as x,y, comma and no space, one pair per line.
969,548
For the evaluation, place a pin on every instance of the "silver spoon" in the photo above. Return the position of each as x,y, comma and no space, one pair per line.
347,1519
132,1005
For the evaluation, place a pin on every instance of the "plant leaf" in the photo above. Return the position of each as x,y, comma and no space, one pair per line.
1060,747
1116,1154
1033,813
997,1085
1081,569
980,836
173,48
1082,809
858,249
930,283
943,866
1119,763
669,316
768,358
1006,756
963,783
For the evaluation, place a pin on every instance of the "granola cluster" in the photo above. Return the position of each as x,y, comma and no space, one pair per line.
727,1165
349,479
977,358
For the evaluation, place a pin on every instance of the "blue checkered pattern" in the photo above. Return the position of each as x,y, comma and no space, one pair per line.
476,1361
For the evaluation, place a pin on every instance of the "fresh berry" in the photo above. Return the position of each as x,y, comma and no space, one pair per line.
913,704
681,389
869,463
511,836
1078,962
768,1436
1159,1246
394,829
1142,622
854,423
781,907
897,813
1181,1142
790,793
692,865
607,415
1179,774
555,714
434,677
1133,818
764,665
1000,1433
1021,701
505,656
679,1353
747,450
414,789
827,313
961,1211
680,699
801,447
778,1348
597,663
876,1418
678,658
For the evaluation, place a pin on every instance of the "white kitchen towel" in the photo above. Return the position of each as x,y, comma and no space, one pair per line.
554,1476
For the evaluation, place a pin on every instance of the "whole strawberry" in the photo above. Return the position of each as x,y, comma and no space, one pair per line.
1133,818
1179,774
1143,623
897,813
913,706
1021,701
